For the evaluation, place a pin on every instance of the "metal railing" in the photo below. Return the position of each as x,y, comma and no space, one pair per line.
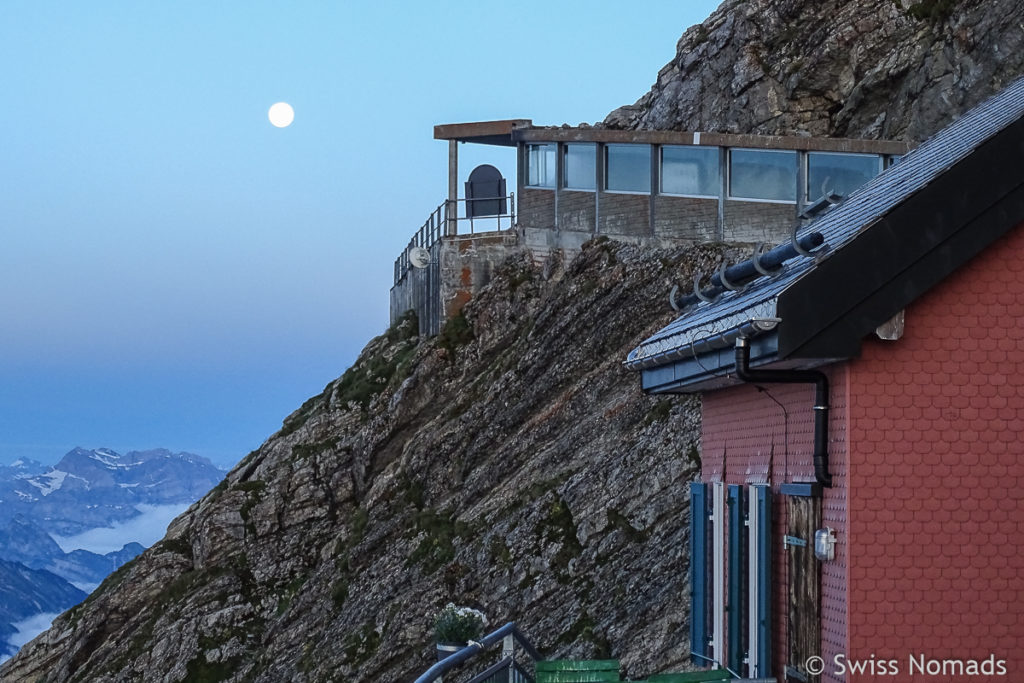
446,221
506,670
499,218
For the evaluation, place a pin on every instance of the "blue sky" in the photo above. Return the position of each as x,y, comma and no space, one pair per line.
176,272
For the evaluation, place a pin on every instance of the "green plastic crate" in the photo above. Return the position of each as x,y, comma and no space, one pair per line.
577,671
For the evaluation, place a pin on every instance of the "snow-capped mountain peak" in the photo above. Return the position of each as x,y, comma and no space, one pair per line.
107,457
106,484
48,482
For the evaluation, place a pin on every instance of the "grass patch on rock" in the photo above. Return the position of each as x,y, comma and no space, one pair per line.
659,412
456,332
361,644
935,11
440,531
387,364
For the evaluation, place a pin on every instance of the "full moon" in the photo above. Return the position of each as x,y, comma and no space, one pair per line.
281,114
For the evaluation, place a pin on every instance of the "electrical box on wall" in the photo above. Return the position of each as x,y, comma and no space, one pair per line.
825,544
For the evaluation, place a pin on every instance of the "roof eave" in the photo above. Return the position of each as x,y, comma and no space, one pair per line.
705,369
910,250
482,132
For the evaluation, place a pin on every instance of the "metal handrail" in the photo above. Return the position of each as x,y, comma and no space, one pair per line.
511,214
509,630
507,665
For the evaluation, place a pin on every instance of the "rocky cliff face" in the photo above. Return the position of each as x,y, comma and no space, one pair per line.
509,464
896,69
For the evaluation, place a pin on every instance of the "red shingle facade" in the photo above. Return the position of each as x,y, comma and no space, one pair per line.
927,453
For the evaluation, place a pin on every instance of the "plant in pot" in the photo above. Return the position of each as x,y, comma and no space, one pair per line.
455,627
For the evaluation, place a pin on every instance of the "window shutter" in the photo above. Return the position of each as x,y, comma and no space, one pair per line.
699,573
736,576
759,598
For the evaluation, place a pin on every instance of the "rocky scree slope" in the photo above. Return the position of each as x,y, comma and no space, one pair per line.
510,464
893,69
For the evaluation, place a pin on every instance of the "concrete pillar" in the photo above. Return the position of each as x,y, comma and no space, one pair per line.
655,186
453,188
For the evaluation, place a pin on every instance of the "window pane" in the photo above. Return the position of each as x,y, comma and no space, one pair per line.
690,170
840,173
540,163
629,168
762,174
580,166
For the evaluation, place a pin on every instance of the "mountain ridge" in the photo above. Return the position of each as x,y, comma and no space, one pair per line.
887,69
85,490
511,463
25,592
95,488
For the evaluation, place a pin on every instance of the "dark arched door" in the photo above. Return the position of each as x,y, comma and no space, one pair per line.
485,192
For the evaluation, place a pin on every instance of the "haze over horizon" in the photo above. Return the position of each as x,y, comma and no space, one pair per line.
179,273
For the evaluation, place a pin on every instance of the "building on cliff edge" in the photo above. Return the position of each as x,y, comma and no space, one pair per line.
661,188
860,505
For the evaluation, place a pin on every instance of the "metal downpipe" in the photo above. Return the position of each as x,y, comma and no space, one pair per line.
821,401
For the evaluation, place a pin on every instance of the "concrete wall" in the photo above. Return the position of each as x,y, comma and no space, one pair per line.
467,265
686,219
628,215
460,266
536,208
576,210
541,242
676,219
757,221
419,290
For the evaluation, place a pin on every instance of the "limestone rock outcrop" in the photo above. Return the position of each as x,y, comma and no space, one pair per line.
893,69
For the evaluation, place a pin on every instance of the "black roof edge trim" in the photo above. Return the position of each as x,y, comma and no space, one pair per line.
910,250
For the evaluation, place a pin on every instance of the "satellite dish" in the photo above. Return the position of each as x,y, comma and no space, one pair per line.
419,257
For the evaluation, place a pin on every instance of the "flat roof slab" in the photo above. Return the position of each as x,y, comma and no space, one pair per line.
482,132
